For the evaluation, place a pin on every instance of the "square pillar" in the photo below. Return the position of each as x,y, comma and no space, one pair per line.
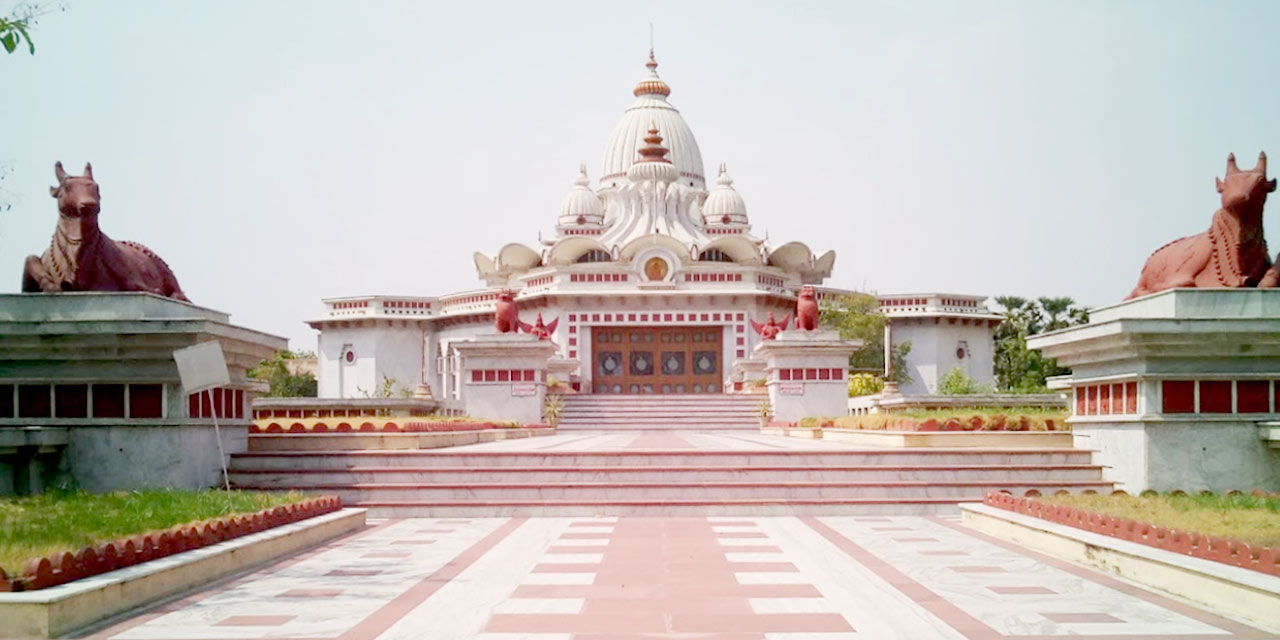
1171,389
806,373
504,376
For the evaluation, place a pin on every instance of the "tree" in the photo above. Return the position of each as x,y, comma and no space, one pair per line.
15,29
1019,369
283,381
857,317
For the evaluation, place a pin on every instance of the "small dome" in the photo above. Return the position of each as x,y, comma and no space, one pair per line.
581,205
724,204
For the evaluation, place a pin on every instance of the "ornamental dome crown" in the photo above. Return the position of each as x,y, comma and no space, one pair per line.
581,205
652,163
651,108
724,205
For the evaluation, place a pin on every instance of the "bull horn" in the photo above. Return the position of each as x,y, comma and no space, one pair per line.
57,171
1261,167
88,170
1231,164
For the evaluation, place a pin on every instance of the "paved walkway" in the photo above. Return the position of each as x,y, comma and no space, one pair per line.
739,578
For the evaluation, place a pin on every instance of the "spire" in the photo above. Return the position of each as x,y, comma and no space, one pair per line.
653,151
651,85
724,180
582,180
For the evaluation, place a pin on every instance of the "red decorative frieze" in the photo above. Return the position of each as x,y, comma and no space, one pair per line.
1215,396
227,403
503,375
810,374
1253,396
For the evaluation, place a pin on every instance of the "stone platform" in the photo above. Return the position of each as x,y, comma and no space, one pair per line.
666,474
739,578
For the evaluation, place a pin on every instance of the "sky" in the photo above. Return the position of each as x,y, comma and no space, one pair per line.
277,153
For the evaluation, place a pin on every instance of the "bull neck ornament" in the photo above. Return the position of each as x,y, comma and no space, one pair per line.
1231,253
82,258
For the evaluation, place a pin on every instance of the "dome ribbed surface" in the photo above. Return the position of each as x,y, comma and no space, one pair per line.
723,201
628,136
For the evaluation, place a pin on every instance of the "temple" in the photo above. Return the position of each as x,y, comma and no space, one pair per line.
653,278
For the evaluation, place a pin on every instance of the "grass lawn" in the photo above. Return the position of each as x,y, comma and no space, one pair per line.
1255,520
33,526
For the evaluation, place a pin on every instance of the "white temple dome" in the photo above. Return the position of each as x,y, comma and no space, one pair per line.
581,205
651,108
724,204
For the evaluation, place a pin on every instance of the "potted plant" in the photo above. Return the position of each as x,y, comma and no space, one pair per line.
553,408
765,411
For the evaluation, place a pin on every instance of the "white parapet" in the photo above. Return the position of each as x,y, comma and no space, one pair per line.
1169,389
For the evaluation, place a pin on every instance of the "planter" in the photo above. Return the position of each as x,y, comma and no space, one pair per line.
1233,552
41,573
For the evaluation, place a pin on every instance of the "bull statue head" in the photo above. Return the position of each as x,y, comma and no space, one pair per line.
78,204
1245,190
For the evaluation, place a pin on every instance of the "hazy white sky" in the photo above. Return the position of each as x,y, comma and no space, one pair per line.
275,153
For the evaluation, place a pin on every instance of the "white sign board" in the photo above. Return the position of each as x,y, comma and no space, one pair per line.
523,390
202,366
791,388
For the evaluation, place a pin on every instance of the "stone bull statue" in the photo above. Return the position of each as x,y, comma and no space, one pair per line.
82,258
1232,253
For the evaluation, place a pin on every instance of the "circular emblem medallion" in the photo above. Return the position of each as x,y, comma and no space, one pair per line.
656,269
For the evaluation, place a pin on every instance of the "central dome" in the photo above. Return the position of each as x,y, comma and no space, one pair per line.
651,108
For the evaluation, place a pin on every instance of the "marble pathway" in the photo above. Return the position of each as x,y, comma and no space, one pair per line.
739,578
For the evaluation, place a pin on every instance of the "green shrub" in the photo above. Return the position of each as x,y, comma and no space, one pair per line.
864,384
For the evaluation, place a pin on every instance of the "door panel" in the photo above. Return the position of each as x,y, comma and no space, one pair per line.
657,360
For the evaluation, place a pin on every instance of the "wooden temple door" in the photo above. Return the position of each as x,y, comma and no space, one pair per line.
657,360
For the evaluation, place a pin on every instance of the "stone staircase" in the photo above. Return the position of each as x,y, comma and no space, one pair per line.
821,480
711,412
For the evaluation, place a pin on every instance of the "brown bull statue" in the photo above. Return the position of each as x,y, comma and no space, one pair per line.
1232,253
82,258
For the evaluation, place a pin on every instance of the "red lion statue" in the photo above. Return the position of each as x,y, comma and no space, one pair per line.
1232,253
769,329
807,309
82,258
539,329
504,313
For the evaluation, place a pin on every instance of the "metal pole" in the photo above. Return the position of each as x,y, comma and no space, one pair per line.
217,434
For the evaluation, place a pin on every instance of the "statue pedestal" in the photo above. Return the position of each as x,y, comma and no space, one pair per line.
563,370
100,366
806,373
749,375
1169,390
505,376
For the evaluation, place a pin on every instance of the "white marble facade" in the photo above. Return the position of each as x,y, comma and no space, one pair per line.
653,245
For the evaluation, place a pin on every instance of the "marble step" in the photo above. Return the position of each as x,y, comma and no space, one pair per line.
631,491
295,460
695,507
465,475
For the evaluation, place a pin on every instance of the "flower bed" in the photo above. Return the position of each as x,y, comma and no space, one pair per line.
53,570
948,422
1233,552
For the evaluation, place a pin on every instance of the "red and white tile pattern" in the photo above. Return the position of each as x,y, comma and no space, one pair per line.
739,578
